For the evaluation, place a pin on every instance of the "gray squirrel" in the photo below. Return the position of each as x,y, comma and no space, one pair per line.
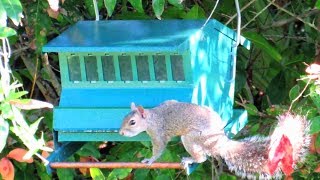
169,119
202,135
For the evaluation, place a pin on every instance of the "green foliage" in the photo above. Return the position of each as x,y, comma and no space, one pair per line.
196,12
67,174
12,9
315,125
137,4
294,92
6,32
252,110
158,7
96,174
110,5
317,4
260,42
176,3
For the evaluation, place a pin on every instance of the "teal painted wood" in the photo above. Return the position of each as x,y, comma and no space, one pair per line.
131,36
72,124
211,71
122,97
67,136
89,119
236,123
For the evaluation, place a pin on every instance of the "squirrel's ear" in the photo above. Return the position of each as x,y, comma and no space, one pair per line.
133,106
141,111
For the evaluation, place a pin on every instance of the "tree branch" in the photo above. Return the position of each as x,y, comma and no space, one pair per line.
294,17
53,78
289,20
43,86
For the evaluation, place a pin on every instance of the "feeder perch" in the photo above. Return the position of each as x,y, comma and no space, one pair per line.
106,65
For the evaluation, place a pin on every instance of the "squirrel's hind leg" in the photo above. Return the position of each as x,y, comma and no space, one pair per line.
190,143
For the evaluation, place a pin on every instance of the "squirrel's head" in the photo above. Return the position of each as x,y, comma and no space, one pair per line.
134,122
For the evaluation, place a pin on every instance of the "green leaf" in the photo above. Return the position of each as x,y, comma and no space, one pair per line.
318,4
110,5
294,92
163,176
176,3
137,4
277,90
119,173
90,7
96,174
141,173
15,95
225,176
196,12
3,16
89,149
260,42
13,9
173,13
315,95
252,110
34,126
315,125
254,129
158,7
146,144
4,131
66,174
130,15
6,32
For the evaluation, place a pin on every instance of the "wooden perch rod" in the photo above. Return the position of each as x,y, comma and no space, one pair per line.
113,165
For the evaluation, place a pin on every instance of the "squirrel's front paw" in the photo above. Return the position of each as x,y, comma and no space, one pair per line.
186,161
148,161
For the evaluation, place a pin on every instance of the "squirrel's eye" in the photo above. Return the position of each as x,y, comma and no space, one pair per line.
132,122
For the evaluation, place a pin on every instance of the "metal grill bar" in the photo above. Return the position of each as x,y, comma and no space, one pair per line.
151,68
168,67
117,68
99,68
134,68
83,69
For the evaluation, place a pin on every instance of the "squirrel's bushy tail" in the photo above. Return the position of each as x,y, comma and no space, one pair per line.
289,143
264,157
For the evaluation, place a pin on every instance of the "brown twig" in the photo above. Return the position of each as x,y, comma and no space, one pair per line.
43,86
260,114
258,14
242,9
304,89
294,16
53,78
34,77
289,20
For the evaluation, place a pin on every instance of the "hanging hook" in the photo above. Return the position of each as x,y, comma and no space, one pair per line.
96,11
238,24
214,8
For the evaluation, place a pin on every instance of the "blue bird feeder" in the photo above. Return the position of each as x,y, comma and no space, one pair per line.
106,65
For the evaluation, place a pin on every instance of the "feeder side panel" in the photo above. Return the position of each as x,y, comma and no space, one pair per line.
210,56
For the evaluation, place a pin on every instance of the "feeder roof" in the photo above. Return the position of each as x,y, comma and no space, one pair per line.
131,36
